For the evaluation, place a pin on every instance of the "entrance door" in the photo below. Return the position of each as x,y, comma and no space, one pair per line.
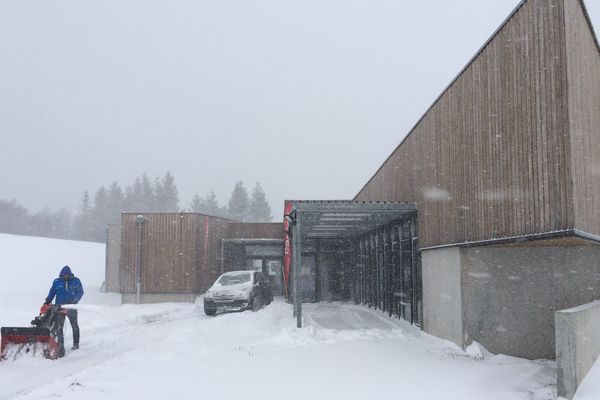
271,267
275,273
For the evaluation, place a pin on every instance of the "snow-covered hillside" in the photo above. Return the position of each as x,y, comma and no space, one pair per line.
173,351
28,265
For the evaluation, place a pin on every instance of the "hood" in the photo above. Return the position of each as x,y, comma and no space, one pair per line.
228,290
65,271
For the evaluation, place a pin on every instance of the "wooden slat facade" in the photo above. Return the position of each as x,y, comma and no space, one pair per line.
492,156
244,230
181,252
583,61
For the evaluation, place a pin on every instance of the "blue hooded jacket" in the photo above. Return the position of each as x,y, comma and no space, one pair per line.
67,291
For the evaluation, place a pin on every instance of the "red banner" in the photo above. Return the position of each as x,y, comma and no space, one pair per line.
287,247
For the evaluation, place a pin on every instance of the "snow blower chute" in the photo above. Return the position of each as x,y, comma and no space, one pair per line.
40,337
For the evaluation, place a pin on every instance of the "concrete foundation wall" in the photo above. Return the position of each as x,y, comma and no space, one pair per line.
577,345
113,256
159,298
442,300
511,292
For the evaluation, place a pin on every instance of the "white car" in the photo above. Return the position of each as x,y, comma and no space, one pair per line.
238,290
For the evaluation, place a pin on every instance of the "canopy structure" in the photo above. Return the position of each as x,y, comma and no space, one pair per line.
334,219
346,219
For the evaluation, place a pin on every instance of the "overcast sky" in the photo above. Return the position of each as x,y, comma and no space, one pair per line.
307,97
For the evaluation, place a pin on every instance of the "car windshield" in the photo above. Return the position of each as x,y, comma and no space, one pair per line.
234,279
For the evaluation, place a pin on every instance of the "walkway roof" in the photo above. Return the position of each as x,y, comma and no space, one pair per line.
336,219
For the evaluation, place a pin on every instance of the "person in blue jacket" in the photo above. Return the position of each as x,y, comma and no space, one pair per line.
68,290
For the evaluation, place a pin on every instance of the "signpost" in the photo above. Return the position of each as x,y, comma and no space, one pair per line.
139,220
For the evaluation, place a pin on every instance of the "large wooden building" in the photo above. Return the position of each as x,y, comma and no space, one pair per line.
510,149
505,170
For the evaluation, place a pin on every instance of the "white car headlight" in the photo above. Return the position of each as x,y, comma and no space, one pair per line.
244,293
209,294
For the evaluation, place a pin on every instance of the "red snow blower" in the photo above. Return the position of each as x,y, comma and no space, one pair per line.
40,337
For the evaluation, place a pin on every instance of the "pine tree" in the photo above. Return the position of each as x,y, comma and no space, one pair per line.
211,205
14,218
166,197
100,215
41,223
134,198
196,204
207,205
83,220
116,201
239,203
148,195
259,210
57,224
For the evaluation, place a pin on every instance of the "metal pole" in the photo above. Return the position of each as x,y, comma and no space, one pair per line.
294,234
298,252
139,220
222,256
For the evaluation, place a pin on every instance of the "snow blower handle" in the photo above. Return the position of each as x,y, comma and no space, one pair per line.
45,307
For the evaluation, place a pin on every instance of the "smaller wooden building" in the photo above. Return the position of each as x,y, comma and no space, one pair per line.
175,256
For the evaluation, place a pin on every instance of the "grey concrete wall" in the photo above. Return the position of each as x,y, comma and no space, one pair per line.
510,292
442,300
577,345
113,257
159,298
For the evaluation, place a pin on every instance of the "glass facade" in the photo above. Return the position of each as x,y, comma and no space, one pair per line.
388,271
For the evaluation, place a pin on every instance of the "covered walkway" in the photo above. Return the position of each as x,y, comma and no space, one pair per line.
361,251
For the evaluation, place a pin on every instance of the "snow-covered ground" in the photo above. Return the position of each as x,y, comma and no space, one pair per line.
174,351
590,387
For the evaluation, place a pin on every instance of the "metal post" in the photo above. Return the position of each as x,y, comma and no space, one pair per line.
222,256
297,269
139,220
318,272
294,234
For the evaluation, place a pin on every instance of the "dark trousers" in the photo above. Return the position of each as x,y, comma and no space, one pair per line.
72,315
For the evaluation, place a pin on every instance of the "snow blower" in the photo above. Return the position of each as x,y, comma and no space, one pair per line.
40,337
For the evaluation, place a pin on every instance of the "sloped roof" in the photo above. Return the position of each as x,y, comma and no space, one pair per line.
466,67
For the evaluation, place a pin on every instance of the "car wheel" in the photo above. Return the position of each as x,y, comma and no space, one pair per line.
255,305
210,311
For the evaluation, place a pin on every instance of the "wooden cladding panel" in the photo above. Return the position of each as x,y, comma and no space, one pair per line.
236,230
176,256
127,261
213,230
490,159
583,58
